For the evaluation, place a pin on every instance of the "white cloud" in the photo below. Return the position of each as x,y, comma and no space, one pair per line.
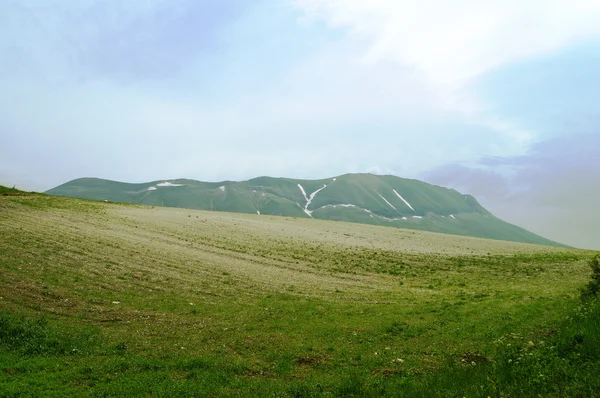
374,170
453,42
446,46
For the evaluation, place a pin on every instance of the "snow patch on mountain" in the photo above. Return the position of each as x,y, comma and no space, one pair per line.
310,198
335,206
404,200
168,184
386,201
371,214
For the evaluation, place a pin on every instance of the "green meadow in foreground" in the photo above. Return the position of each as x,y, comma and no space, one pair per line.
102,299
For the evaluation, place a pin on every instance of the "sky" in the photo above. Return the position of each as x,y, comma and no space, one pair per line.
500,99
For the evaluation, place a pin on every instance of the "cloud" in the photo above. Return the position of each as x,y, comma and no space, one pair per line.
554,94
451,45
154,44
552,190
452,42
311,119
121,40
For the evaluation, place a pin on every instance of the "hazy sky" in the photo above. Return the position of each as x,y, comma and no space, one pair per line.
496,98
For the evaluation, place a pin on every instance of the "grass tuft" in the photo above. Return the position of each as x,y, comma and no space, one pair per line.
36,337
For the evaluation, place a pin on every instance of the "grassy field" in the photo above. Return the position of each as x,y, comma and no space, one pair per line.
102,299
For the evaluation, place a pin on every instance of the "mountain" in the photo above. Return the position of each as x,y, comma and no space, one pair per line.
361,198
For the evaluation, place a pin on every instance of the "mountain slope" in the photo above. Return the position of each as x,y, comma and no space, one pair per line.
361,198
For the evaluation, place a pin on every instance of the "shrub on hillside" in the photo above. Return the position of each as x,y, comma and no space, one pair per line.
592,289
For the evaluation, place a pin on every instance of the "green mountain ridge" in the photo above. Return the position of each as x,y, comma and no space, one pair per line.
361,198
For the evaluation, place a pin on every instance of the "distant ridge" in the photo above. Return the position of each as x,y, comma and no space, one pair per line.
361,198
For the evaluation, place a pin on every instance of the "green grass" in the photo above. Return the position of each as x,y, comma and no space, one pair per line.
5,191
43,360
102,299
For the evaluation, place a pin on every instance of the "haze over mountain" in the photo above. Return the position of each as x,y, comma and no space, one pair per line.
362,198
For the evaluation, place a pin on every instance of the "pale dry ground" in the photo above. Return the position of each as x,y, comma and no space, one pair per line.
331,232
192,252
283,235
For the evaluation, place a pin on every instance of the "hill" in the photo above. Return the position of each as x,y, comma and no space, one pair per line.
105,299
360,198
6,191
